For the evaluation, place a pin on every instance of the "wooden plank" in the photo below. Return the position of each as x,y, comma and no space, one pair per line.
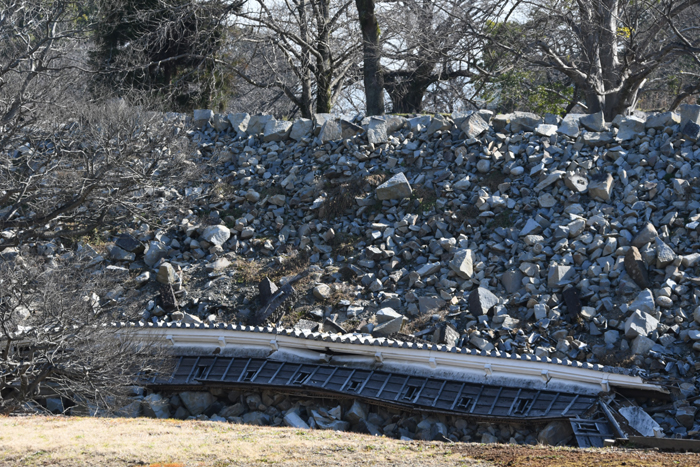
242,375
329,377
500,390
515,401
566,410
313,373
227,368
384,385
274,375
537,395
459,395
476,401
193,369
402,388
291,378
442,387
551,404
347,380
211,367
359,391
177,367
258,372
415,398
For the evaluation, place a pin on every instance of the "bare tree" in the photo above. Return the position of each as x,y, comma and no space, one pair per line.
171,48
39,53
313,39
425,43
609,49
67,178
56,337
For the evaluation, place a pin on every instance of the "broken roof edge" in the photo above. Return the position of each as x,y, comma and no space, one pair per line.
427,357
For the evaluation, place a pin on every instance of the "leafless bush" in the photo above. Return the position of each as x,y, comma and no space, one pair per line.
68,177
56,337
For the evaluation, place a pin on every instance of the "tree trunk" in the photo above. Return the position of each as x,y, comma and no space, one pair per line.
306,98
373,77
324,66
406,97
408,89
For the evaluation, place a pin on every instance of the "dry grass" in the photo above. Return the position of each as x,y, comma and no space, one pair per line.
248,272
340,199
340,292
344,244
33,441
74,441
251,271
426,198
296,262
422,321
622,358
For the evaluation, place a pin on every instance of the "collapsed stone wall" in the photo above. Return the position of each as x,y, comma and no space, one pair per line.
271,408
565,238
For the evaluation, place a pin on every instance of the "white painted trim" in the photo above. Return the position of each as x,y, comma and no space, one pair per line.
495,370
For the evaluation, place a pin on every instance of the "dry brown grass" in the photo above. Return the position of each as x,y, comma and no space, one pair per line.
622,358
74,441
422,321
340,199
32,441
251,271
344,244
248,272
426,198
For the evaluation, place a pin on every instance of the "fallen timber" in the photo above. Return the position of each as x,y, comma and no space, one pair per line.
527,371
414,376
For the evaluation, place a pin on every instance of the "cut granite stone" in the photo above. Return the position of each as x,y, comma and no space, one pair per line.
463,263
473,126
257,124
388,328
635,267
277,130
593,122
377,131
216,234
239,122
331,131
601,188
645,236
397,187
266,289
301,128
524,121
201,117
387,314
689,113
640,324
446,334
481,301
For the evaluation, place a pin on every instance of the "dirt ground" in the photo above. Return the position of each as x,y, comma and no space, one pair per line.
62,442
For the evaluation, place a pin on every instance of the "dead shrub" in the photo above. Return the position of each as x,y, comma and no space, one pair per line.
341,198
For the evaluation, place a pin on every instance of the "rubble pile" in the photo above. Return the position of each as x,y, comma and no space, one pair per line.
268,408
565,238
